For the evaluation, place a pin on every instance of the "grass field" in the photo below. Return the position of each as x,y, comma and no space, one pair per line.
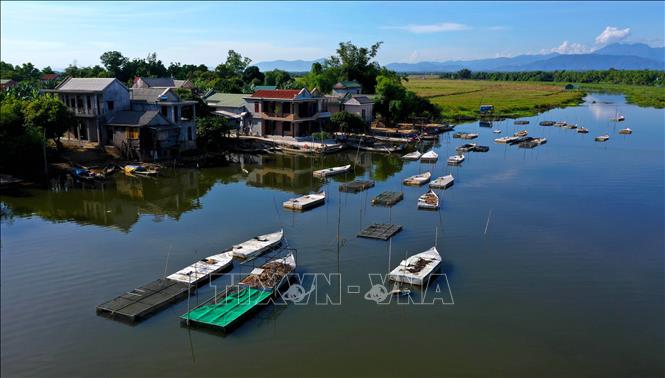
461,99
635,94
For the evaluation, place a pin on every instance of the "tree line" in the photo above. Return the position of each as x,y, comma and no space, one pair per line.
612,76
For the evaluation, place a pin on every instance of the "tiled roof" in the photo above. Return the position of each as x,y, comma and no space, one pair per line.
134,118
85,84
361,99
147,94
163,82
287,94
52,76
231,100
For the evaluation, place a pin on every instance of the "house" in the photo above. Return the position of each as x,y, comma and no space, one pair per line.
346,87
233,107
161,82
45,78
92,100
361,105
7,83
144,123
180,113
287,112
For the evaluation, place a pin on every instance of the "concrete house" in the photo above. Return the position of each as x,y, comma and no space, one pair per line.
92,100
361,105
144,135
161,82
233,107
287,112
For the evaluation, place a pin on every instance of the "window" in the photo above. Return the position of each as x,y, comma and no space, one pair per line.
132,133
109,105
189,133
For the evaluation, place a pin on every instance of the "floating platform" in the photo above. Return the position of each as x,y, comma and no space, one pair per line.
144,301
388,198
356,186
305,202
383,231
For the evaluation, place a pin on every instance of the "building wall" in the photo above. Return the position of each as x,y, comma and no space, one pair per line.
117,93
357,109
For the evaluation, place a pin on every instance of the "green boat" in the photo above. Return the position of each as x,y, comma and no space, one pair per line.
228,310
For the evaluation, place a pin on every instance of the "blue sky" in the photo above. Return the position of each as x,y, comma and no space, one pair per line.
60,33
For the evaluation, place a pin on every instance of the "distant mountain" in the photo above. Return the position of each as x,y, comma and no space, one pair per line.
619,56
287,65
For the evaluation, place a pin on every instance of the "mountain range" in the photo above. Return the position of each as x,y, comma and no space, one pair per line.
621,56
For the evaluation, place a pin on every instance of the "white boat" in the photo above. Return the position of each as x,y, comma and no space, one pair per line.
420,179
602,138
569,126
428,201
506,139
416,269
466,147
415,155
618,118
429,156
272,274
257,245
332,171
582,130
560,123
626,131
469,136
202,269
497,131
305,202
540,140
521,133
455,159
442,182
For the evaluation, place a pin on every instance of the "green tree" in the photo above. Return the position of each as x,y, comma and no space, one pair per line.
347,122
252,75
50,115
277,77
464,73
114,63
211,132
21,146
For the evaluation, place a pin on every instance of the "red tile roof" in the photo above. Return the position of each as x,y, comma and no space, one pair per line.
52,76
288,94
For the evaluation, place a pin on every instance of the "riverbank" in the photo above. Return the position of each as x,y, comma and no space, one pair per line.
641,95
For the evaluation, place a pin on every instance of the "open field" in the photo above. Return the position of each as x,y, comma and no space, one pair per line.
461,99
641,95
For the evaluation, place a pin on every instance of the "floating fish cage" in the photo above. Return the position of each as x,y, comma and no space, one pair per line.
387,198
356,186
383,231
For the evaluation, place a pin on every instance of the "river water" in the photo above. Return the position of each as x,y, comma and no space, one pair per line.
552,262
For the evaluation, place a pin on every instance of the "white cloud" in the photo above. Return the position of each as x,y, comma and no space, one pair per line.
569,48
612,34
432,28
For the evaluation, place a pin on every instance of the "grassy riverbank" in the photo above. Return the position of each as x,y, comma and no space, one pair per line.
461,99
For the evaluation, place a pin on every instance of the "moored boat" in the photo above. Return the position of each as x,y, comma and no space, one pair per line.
416,269
429,156
332,171
547,123
571,126
626,131
480,149
582,130
521,133
602,138
442,182
560,123
469,136
415,155
419,179
257,245
497,131
455,159
465,147
428,201
521,122
135,169
197,273
506,139
305,202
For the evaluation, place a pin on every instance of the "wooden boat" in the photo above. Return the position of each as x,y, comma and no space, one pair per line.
480,149
455,159
272,274
428,201
420,179
305,202
521,122
202,269
625,131
430,156
547,123
416,269
469,136
521,140
506,139
497,131
602,138
521,133
415,155
332,171
442,182
560,123
133,169
582,130
465,147
257,245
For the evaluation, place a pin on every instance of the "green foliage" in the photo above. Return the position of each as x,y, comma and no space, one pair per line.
252,75
395,103
321,135
20,144
464,73
115,62
211,132
277,77
49,114
347,122
630,77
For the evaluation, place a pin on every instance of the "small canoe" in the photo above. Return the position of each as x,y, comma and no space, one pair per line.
506,139
202,269
465,147
305,202
455,159
332,171
257,245
420,179
521,133
625,131
547,123
602,138
582,130
428,201
416,269
430,156
442,182
415,155
497,131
